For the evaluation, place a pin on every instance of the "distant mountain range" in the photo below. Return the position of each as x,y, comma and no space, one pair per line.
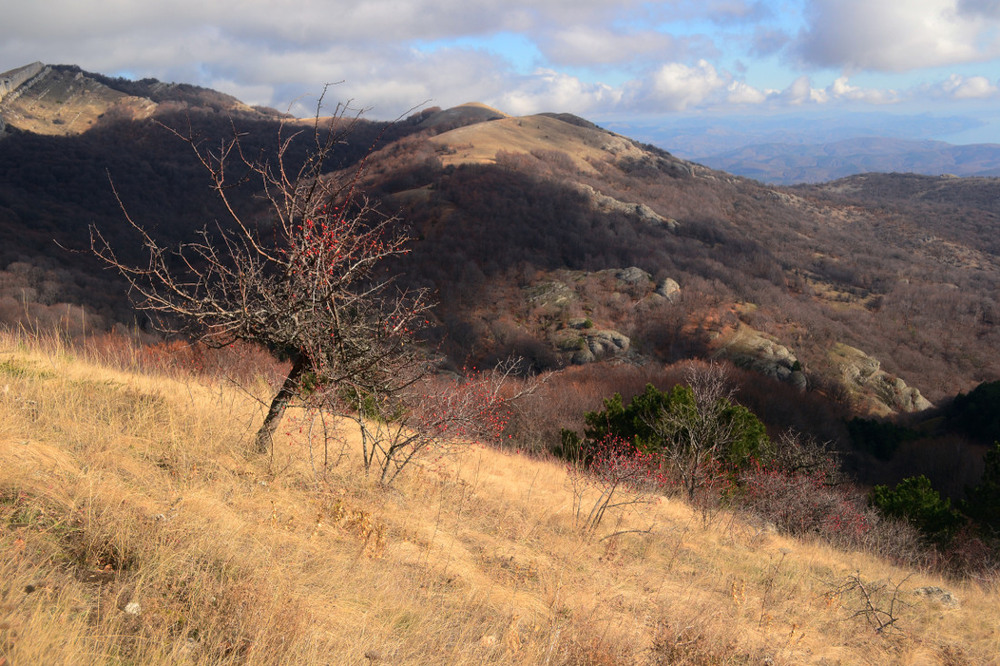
787,163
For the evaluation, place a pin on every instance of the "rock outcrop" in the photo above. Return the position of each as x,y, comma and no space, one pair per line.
633,276
668,289
567,304
751,349
641,211
863,376
554,293
589,345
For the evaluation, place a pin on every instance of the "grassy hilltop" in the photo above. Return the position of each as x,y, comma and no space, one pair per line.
136,529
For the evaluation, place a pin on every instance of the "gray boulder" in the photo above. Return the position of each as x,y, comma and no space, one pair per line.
633,276
642,211
669,289
554,293
751,349
607,343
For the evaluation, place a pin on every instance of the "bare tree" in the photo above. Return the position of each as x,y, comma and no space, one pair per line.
306,279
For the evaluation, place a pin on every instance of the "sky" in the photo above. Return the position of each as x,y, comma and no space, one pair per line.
930,68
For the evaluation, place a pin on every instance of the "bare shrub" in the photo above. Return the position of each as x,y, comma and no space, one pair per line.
618,476
878,603
396,426
680,644
240,362
801,492
802,503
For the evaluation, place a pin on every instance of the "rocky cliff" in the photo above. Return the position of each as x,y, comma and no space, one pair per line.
13,79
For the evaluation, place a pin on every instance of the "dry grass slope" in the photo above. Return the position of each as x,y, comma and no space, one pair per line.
135,530
480,143
59,103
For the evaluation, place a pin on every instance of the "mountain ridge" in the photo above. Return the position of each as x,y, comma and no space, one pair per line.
65,100
841,321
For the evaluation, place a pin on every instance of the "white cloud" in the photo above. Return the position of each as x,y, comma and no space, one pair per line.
987,8
767,41
741,94
392,84
294,46
727,12
842,90
628,56
548,90
890,35
961,88
799,92
720,12
677,87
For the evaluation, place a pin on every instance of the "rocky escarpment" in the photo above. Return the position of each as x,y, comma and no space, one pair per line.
582,343
13,79
860,375
749,348
63,100
865,379
642,211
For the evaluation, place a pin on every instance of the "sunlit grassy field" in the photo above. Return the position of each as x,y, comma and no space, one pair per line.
136,528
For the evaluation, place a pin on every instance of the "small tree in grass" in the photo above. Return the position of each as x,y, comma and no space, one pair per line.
915,499
307,280
617,476
702,434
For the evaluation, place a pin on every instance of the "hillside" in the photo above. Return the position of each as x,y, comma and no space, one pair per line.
137,530
550,238
531,206
54,184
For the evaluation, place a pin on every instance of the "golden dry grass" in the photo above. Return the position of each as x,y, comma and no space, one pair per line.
480,143
136,530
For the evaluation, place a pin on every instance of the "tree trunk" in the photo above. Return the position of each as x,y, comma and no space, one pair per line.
265,436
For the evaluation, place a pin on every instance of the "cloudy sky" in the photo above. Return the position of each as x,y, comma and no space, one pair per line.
618,62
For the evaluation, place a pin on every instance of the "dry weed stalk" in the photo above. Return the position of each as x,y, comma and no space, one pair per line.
879,603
